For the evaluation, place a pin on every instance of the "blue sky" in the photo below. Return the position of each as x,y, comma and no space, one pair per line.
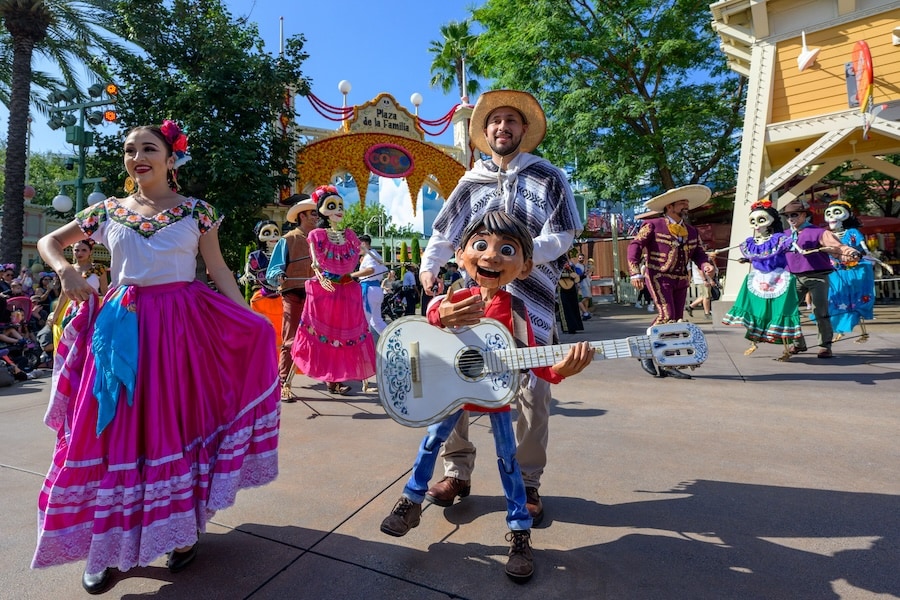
377,47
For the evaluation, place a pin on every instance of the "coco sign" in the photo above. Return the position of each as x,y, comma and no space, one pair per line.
389,160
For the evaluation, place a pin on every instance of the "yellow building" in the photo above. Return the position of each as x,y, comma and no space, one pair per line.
803,114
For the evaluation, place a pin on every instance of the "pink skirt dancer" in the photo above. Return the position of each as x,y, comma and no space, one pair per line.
333,342
202,425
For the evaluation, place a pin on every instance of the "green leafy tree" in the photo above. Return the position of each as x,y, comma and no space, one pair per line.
44,170
65,32
455,59
362,220
637,93
211,74
873,193
416,251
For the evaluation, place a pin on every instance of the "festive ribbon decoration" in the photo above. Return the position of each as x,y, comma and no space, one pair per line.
341,113
443,122
323,107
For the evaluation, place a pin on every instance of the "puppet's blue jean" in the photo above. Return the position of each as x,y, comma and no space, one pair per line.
517,517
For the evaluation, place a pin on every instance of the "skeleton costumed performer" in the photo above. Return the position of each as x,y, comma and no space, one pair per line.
851,292
265,299
670,245
333,342
767,304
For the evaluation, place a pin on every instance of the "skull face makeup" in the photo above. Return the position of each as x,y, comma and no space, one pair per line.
270,234
333,208
267,235
835,215
761,221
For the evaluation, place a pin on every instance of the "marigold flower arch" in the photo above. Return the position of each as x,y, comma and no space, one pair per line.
342,153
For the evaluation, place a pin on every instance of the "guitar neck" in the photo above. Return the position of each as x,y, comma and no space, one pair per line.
545,356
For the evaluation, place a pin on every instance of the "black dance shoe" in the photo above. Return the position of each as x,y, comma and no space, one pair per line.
97,583
178,561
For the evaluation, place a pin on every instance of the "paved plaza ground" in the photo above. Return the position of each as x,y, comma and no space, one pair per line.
757,480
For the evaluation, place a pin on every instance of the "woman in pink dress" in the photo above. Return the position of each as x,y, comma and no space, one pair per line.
333,342
159,421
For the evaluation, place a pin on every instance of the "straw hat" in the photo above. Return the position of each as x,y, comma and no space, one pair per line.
298,208
523,102
696,195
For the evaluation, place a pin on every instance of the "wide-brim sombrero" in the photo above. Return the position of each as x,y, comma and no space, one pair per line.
795,205
299,207
523,102
696,195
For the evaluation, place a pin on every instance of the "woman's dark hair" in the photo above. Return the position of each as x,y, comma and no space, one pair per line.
497,222
155,130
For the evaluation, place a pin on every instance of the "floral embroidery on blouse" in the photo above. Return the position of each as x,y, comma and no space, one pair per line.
98,270
330,250
90,218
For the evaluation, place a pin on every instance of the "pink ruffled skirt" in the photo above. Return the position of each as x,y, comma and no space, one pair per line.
203,424
333,342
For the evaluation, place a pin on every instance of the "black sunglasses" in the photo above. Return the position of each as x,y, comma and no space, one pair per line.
793,215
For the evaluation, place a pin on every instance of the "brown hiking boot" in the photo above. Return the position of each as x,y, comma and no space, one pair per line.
534,505
520,566
405,516
445,491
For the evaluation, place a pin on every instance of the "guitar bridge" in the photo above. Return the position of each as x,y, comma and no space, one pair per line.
415,370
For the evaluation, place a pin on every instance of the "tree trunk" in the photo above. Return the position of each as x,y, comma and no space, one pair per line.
16,150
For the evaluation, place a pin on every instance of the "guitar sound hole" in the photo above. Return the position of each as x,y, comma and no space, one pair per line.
471,363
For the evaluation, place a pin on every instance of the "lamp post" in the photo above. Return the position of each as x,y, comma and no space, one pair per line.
344,88
416,100
61,115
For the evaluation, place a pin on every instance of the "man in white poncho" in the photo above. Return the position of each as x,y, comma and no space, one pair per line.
507,125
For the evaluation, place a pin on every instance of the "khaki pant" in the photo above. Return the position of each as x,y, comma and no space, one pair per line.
532,435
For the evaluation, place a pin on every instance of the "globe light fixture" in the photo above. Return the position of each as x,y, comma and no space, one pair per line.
96,196
416,100
62,202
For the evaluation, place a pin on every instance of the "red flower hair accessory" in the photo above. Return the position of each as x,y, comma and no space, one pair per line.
176,138
761,205
322,192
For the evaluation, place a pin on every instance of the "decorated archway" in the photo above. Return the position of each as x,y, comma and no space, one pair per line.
382,138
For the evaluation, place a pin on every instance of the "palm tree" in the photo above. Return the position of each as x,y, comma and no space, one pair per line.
39,79
455,58
66,32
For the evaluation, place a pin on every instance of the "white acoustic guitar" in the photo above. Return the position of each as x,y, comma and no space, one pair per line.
426,373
